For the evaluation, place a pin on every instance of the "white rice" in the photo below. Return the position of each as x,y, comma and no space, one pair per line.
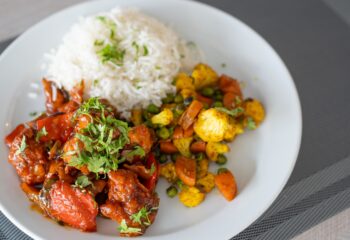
140,78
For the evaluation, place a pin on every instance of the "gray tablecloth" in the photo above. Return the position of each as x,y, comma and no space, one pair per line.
315,44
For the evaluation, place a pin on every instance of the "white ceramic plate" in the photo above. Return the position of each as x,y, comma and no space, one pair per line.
261,160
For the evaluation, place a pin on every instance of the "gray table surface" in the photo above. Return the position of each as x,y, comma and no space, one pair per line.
314,42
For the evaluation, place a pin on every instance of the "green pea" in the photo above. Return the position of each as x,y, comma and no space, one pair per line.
163,133
179,109
153,109
173,157
200,156
222,159
218,96
178,99
222,170
207,91
218,104
163,158
171,191
169,98
149,123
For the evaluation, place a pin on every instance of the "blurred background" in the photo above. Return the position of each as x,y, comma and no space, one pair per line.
313,38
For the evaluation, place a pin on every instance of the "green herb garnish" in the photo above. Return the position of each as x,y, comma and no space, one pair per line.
22,147
82,182
251,125
138,151
152,169
33,114
99,42
141,217
103,139
123,228
111,53
40,134
233,112
145,50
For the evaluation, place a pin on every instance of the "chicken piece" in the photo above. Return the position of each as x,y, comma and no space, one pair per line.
55,97
191,196
70,150
212,125
28,157
73,206
164,118
141,135
204,76
130,203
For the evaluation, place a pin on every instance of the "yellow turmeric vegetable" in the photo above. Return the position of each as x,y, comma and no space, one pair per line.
233,130
206,183
203,76
163,118
191,196
202,168
168,172
212,125
183,81
183,145
254,109
213,149
136,116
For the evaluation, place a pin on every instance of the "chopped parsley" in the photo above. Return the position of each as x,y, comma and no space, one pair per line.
145,50
103,139
223,65
251,125
233,112
99,42
22,147
82,182
238,100
141,217
96,81
111,53
138,151
123,228
109,24
152,169
136,46
40,134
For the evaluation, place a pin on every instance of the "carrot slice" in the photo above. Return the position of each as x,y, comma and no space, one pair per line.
178,132
188,117
186,170
226,184
228,84
229,100
188,132
198,147
203,99
168,147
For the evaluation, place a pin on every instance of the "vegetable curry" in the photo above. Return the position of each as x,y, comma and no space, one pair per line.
80,159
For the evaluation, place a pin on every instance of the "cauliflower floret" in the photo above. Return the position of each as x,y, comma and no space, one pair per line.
203,76
206,183
168,172
254,109
183,81
233,130
163,118
213,149
212,125
191,196
202,168
183,145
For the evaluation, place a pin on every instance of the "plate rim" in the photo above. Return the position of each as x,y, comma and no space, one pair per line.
282,184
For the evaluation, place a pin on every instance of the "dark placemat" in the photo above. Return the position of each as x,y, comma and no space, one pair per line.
315,44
